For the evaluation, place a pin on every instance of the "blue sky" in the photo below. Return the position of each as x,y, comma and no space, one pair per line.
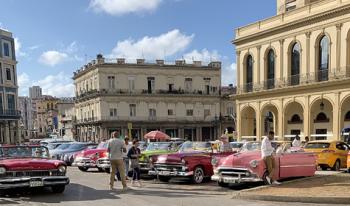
55,37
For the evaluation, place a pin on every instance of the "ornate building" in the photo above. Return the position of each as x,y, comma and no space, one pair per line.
183,100
9,114
293,71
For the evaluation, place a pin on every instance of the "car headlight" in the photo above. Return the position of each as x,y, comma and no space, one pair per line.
183,161
62,169
254,163
2,170
214,161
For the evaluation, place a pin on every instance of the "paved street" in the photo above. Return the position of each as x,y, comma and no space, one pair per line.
91,189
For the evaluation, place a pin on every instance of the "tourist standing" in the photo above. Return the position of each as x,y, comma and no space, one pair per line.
115,148
134,155
267,154
296,142
125,157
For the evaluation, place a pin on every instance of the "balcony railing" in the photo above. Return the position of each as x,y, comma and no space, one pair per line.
10,114
297,80
125,92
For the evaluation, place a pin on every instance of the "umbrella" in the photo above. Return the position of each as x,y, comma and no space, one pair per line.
156,135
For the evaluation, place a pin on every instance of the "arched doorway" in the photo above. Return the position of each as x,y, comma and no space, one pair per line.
248,123
269,120
293,124
249,73
323,58
270,72
294,78
345,117
321,117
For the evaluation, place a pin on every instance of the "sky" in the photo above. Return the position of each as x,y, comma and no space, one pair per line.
56,37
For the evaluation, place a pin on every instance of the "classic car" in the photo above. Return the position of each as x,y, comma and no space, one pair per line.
330,154
87,158
29,167
348,165
156,148
248,166
66,152
236,146
193,161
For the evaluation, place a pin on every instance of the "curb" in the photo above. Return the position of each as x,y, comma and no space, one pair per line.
314,200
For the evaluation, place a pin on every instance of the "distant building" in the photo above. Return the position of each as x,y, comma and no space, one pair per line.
66,118
181,99
9,114
35,92
26,124
46,121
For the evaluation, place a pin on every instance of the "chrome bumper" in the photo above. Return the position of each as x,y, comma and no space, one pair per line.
103,163
170,173
8,183
234,180
84,163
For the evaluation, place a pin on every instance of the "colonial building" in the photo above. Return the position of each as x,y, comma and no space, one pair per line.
46,121
9,114
181,99
66,118
27,121
35,92
293,71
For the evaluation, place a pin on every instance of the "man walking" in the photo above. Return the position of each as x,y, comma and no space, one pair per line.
125,156
115,148
266,153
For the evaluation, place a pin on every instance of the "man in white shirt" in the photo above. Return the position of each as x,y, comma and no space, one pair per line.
125,156
296,142
115,148
267,154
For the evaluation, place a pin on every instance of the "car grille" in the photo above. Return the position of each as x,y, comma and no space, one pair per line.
167,167
234,172
32,174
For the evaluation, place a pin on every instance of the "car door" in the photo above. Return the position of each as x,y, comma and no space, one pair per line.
297,164
342,152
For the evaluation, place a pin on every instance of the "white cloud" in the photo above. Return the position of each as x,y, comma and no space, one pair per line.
59,85
18,48
228,74
121,7
157,47
204,55
34,47
52,58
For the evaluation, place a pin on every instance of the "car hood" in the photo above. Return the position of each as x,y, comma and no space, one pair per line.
177,157
30,164
89,152
60,152
241,159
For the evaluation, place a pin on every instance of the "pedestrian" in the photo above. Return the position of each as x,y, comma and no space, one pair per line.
267,155
125,157
115,148
296,142
307,139
134,155
225,145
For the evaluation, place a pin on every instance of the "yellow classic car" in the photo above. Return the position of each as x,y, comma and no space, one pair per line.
330,154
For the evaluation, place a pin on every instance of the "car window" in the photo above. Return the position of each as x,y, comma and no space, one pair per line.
317,145
341,146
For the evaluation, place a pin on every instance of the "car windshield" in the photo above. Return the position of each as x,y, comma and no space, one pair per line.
24,152
251,146
195,146
52,146
317,145
63,146
102,145
236,145
158,146
77,146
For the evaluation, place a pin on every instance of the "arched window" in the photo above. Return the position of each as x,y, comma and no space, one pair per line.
295,119
271,69
295,65
321,117
249,79
323,59
347,116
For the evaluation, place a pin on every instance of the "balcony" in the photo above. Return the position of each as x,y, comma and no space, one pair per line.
296,81
10,114
124,92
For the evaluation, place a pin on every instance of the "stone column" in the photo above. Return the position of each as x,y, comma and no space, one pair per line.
280,123
258,123
258,66
308,34
238,67
7,133
338,53
282,67
238,122
336,117
307,120
18,133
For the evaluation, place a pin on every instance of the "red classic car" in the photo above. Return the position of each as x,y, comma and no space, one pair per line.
193,160
30,166
88,158
248,166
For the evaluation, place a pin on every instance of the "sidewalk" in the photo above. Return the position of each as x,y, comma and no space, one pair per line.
332,189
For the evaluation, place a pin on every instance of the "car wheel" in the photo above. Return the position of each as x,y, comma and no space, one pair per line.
108,171
198,175
264,178
222,184
324,168
83,169
58,188
163,179
100,169
336,166
348,170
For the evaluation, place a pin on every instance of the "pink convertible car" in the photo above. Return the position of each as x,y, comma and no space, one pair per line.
247,165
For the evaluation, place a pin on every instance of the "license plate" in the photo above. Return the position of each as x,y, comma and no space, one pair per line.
36,184
229,180
165,173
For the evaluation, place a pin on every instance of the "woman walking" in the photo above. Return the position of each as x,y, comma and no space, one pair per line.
134,154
